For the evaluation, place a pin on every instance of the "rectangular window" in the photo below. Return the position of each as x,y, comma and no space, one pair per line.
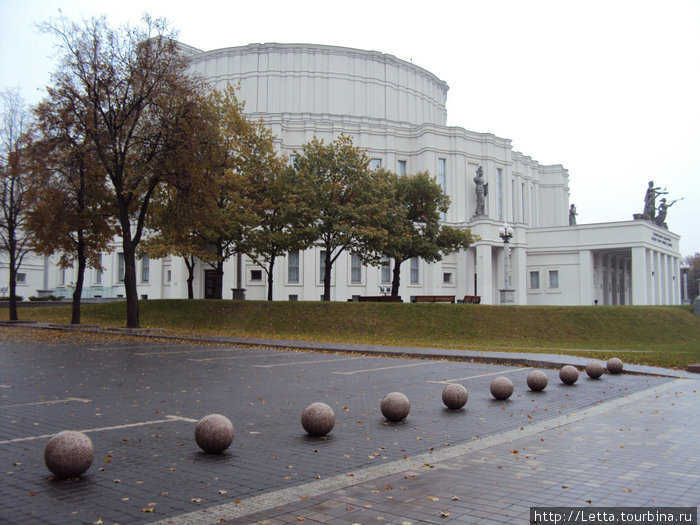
293,266
61,276
401,168
21,278
120,267
442,181
554,278
256,275
292,158
499,193
355,269
375,164
386,270
414,270
447,278
145,269
168,275
98,270
534,280
322,265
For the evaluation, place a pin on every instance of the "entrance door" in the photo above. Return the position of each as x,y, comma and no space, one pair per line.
210,284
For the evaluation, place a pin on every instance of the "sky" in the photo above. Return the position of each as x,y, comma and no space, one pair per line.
610,89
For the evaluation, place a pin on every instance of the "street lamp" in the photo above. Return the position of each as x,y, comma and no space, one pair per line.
505,232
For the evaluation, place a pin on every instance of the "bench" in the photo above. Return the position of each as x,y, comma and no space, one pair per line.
434,299
380,299
471,299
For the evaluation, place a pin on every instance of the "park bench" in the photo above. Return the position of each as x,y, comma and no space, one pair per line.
471,299
380,299
434,299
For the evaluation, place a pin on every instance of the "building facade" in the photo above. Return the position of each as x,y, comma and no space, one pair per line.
396,112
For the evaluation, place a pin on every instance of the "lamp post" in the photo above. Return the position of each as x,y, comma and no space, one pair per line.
505,232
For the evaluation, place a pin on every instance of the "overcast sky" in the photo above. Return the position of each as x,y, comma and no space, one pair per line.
608,88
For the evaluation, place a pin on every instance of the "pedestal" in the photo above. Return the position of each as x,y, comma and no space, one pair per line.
507,296
238,294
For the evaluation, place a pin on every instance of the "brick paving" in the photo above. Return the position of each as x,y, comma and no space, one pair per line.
139,400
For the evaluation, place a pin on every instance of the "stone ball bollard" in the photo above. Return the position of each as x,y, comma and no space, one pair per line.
614,365
568,374
395,406
454,396
68,454
537,380
318,419
214,433
594,369
501,388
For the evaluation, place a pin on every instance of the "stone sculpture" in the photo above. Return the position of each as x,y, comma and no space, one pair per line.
68,454
214,433
650,201
454,396
318,419
395,406
482,191
572,215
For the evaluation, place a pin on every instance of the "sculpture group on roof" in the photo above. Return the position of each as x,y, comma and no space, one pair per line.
651,212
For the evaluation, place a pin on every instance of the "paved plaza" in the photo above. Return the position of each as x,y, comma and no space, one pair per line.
623,440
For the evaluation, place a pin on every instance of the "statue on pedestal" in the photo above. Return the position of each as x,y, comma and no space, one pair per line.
572,215
660,219
482,190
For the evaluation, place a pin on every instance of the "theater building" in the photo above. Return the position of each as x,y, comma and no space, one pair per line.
396,112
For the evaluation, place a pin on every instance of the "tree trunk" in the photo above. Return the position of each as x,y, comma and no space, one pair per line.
189,262
13,285
327,277
270,278
78,292
396,281
132,293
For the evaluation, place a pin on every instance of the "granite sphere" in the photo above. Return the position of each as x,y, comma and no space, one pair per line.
537,380
395,406
594,369
214,433
568,374
318,419
454,396
614,365
501,388
68,454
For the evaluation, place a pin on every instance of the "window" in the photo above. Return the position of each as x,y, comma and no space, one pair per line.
292,158
168,275
554,278
293,266
62,277
120,267
322,265
355,269
145,269
414,270
534,280
447,278
442,181
386,270
401,168
375,164
256,275
499,193
98,270
21,278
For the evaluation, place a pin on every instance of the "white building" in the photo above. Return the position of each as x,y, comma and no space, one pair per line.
396,112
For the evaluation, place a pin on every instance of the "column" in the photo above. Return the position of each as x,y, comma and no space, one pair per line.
585,276
519,260
640,273
656,274
484,273
678,299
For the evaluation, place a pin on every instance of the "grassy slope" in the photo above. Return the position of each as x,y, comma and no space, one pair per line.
664,336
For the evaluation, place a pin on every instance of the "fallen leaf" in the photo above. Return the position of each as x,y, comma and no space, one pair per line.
433,498
444,514
222,492
147,509
196,500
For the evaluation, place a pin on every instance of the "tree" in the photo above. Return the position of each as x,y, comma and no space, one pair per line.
693,261
14,202
348,201
132,93
413,224
282,218
68,189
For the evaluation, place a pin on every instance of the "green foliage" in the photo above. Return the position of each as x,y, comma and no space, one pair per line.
413,223
347,201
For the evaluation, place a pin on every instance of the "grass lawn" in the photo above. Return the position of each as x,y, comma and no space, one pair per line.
667,336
